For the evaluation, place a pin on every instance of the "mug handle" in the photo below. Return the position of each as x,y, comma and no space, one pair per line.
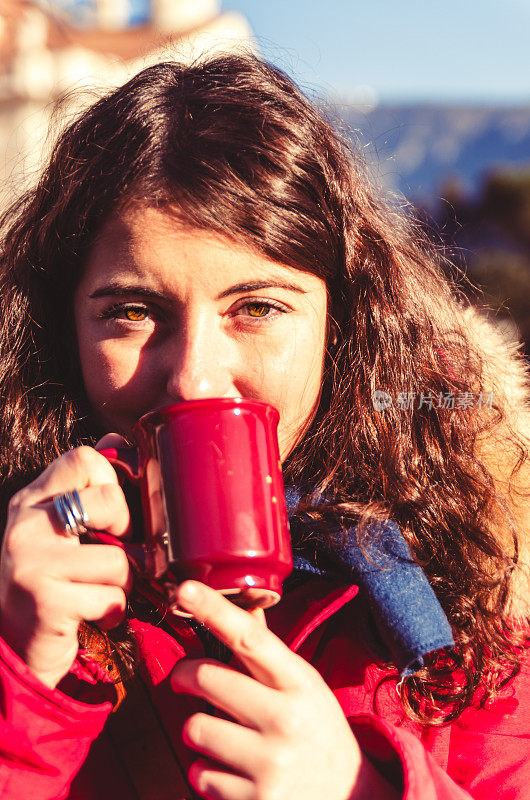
126,460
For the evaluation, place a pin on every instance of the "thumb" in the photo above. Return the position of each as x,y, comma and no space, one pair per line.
259,614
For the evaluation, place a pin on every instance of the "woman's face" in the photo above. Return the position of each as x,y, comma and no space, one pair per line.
166,313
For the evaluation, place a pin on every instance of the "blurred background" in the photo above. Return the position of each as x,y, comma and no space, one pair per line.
436,95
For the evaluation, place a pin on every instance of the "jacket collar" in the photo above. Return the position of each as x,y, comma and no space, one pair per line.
302,610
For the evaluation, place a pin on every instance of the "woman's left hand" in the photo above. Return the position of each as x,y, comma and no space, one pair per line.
289,737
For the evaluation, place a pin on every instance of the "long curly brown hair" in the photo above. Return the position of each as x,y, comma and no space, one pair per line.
234,147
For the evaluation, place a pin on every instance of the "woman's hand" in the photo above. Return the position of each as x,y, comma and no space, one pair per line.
49,582
289,738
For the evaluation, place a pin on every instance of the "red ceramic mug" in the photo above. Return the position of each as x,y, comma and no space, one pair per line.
213,499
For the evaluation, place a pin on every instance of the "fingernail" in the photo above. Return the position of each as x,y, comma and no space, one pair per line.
188,593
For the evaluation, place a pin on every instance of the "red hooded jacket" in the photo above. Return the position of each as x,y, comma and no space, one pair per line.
64,743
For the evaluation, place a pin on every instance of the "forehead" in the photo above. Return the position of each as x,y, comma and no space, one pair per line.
156,247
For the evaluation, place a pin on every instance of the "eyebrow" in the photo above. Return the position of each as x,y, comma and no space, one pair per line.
128,290
252,286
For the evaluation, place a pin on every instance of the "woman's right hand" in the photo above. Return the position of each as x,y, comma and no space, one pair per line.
49,581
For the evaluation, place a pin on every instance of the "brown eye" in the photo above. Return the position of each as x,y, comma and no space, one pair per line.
258,309
135,314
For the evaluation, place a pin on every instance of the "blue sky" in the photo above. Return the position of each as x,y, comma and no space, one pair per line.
403,50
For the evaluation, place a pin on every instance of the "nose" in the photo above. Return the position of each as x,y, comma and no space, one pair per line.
199,363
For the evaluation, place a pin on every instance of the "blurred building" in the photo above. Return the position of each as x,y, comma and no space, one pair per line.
58,55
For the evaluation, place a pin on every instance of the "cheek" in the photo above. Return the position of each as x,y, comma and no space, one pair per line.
103,369
114,383
297,407
293,384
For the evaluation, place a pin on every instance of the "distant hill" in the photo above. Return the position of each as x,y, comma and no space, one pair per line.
416,149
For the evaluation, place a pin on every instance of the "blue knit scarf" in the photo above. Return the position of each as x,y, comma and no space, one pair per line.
409,619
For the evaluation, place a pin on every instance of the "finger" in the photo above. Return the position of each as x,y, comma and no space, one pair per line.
105,506
215,784
88,563
259,615
265,656
232,745
74,470
245,699
76,602
112,619
105,605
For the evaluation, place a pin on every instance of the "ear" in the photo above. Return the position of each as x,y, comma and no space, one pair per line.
332,335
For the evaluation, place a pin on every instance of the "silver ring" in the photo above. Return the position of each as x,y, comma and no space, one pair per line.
72,517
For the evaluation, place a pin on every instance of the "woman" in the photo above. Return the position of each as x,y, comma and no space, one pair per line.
202,232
